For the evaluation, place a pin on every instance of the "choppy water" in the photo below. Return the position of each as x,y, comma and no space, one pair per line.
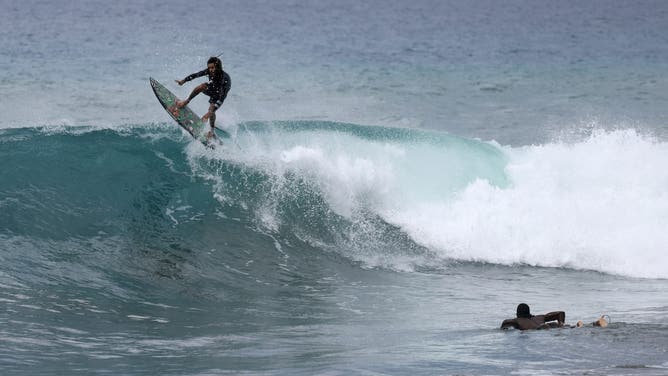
399,177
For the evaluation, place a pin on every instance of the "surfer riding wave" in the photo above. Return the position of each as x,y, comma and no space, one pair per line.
217,88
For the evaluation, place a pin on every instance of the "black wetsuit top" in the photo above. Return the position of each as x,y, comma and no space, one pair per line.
217,87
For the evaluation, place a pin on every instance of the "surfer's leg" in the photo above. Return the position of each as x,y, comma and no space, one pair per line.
602,322
198,89
212,120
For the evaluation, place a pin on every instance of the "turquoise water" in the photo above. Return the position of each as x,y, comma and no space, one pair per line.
400,176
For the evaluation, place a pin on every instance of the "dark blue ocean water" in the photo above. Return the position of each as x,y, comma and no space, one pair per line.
400,176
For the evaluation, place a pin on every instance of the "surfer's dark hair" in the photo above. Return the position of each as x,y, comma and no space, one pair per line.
523,311
217,63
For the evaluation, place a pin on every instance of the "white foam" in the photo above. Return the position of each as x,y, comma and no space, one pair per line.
346,180
599,204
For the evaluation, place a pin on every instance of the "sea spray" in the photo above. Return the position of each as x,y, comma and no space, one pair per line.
599,203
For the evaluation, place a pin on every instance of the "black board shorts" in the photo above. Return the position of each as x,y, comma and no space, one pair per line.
216,95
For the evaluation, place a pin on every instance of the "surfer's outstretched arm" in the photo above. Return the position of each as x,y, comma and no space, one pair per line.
191,77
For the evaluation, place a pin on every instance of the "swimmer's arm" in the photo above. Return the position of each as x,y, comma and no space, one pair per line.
510,323
559,316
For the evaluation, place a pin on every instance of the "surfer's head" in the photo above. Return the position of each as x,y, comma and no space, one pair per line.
523,311
214,65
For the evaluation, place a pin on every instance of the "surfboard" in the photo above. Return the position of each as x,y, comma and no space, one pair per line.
184,116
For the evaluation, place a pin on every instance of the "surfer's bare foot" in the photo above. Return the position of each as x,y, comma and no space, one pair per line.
181,104
601,322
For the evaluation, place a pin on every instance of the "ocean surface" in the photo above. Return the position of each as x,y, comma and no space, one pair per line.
399,176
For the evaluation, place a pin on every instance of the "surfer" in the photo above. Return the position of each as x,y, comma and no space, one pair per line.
525,320
217,88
